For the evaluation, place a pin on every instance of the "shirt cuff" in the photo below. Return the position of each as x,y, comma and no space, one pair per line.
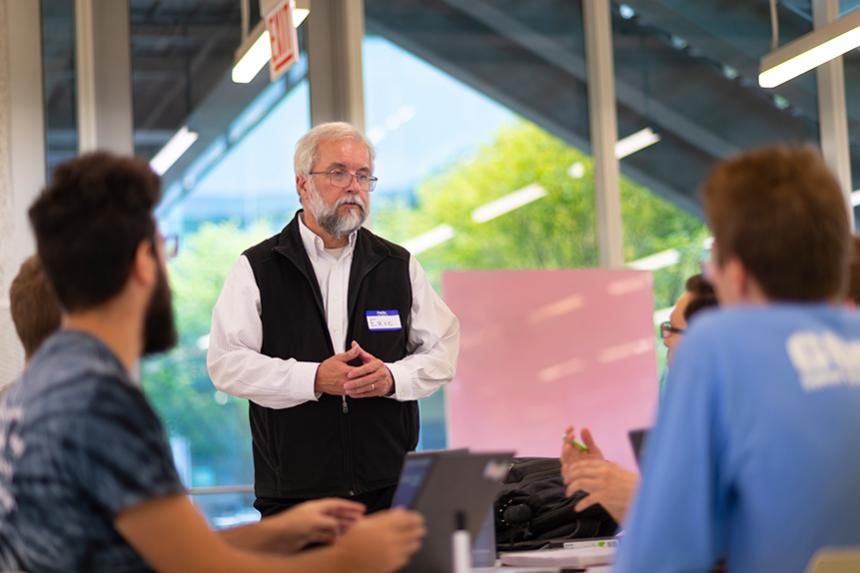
402,381
303,375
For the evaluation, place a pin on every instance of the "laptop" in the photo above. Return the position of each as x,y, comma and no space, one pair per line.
442,484
637,442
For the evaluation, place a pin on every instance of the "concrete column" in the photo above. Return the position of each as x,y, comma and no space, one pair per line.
832,117
603,122
22,156
335,34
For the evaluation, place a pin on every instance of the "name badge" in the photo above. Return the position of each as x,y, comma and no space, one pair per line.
380,320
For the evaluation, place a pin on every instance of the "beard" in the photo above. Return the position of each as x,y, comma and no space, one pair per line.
329,218
159,329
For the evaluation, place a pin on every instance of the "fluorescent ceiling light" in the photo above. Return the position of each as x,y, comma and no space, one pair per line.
664,259
635,142
256,50
431,238
252,55
656,261
508,203
173,150
810,51
299,15
623,148
855,198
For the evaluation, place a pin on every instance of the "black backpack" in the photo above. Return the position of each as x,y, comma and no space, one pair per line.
531,511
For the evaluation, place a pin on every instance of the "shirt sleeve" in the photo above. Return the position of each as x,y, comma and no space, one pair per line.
434,342
118,454
677,522
235,363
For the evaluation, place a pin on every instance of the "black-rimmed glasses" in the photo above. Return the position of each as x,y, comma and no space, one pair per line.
342,178
667,329
169,245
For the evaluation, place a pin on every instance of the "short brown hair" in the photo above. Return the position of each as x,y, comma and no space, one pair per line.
34,307
854,271
780,211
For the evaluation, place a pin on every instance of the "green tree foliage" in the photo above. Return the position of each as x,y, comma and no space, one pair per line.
556,231
178,383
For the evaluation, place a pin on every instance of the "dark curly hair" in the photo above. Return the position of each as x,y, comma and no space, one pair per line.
702,295
89,222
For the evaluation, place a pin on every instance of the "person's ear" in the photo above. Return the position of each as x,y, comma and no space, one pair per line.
302,187
144,268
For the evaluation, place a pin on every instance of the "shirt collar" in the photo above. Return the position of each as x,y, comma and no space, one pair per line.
313,243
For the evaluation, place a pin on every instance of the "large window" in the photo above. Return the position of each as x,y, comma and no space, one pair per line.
59,80
686,80
477,139
232,187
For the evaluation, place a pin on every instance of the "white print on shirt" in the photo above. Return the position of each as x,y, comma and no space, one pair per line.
824,359
11,449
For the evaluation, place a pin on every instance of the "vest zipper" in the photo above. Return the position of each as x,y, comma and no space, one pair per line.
344,406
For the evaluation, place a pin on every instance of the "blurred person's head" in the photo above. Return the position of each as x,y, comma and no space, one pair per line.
702,296
698,294
33,305
99,245
334,167
853,297
780,227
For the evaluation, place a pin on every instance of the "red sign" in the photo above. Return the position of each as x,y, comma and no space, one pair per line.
283,38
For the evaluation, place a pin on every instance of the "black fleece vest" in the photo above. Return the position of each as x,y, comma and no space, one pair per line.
317,448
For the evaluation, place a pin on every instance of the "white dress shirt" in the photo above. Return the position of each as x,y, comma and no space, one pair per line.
237,367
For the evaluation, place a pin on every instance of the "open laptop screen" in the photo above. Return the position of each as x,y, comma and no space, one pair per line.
415,470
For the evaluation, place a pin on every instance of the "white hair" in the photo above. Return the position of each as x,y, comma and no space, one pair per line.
306,148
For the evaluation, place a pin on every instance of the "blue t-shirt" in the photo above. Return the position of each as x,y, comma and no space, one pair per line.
79,443
755,456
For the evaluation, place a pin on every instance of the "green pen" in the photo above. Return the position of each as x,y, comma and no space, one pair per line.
575,443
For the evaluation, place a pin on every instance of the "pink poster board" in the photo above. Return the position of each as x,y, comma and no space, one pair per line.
541,350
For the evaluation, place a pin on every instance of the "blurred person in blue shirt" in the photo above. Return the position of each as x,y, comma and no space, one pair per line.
755,456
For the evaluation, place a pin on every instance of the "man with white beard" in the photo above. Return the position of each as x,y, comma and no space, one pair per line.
332,334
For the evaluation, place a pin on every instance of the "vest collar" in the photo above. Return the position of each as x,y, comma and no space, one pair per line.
369,252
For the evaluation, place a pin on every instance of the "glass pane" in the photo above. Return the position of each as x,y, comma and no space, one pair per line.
470,103
231,187
687,95
59,77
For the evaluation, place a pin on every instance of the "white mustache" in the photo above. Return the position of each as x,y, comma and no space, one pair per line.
351,201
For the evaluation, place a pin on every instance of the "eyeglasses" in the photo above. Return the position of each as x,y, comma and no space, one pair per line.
169,245
667,329
342,178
